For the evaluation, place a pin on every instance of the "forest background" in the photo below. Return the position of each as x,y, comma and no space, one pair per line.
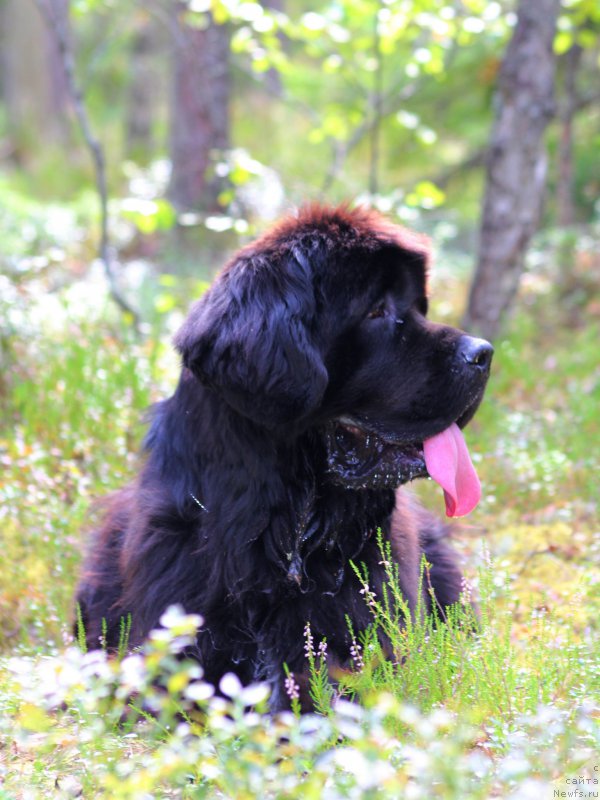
140,144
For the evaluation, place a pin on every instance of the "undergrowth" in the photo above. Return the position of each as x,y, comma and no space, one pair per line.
461,710
503,705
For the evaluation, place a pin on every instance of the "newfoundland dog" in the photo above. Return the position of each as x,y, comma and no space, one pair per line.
312,387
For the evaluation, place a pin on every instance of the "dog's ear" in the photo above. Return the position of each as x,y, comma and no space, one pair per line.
252,338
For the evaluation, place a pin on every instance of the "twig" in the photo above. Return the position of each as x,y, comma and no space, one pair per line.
472,161
389,102
57,26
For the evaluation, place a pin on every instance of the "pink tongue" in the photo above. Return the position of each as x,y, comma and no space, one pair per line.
449,464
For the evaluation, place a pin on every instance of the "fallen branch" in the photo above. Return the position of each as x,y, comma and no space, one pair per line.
387,104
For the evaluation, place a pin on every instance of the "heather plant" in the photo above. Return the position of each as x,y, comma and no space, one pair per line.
147,725
499,704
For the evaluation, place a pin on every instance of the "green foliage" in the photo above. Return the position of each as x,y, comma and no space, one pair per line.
478,708
536,442
36,236
578,25
413,82
149,216
463,658
124,633
499,706
80,629
321,690
377,58
148,725
70,432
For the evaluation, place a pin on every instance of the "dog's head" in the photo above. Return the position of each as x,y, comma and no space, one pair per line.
322,323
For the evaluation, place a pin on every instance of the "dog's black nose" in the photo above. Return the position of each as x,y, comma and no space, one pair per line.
476,352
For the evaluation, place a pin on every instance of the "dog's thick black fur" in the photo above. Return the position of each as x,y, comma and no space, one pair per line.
310,379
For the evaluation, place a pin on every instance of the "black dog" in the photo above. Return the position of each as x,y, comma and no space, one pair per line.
312,387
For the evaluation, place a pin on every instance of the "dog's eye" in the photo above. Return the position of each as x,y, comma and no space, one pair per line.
377,311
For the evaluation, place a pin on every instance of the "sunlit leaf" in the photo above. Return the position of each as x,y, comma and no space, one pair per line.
163,303
587,38
426,195
563,42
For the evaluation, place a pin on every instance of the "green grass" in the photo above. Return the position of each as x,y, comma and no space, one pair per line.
454,715
508,710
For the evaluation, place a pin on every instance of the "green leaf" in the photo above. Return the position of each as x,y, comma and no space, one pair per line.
426,195
166,216
164,303
587,38
563,42
149,215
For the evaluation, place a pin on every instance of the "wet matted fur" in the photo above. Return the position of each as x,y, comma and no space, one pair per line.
310,379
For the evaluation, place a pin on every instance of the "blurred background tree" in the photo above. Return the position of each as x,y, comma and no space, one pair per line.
214,116
516,164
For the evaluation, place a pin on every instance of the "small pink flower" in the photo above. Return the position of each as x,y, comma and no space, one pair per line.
291,687
309,643
466,592
368,595
356,653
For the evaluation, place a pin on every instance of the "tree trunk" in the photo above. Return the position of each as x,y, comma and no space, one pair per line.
33,85
516,165
568,107
199,112
143,89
